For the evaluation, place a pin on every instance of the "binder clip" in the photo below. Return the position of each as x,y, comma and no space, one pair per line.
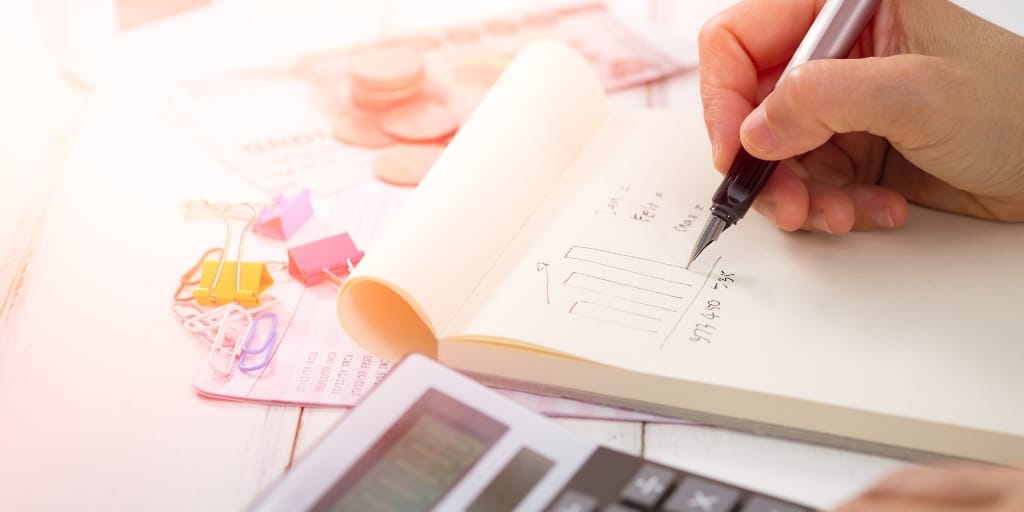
282,218
323,259
191,276
222,281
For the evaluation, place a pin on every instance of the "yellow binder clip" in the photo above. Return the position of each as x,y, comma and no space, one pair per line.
222,281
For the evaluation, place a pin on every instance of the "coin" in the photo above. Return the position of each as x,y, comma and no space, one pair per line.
387,68
419,121
384,98
360,128
406,164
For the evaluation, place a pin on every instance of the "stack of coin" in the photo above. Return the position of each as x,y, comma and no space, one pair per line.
392,109
386,77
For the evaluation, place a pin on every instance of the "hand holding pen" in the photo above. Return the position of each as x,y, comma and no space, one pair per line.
928,108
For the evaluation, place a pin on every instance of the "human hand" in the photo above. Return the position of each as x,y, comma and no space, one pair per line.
944,489
929,108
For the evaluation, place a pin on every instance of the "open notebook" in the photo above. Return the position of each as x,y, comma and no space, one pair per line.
545,250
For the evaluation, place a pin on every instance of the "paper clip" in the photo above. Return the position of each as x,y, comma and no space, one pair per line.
284,216
208,323
205,323
221,358
266,348
324,259
222,281
191,276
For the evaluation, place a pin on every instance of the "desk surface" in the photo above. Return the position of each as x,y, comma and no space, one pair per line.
96,406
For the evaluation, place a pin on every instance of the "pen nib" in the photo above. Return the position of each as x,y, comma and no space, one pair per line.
712,230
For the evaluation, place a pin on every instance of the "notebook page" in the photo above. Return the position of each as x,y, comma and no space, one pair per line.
921,322
521,138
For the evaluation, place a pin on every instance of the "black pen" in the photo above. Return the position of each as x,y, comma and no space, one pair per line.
831,36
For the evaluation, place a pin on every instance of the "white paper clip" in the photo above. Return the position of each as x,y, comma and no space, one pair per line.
231,322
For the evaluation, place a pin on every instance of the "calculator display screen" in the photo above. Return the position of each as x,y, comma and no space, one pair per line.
415,463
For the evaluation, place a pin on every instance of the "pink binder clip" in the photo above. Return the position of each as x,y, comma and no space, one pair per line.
284,216
323,259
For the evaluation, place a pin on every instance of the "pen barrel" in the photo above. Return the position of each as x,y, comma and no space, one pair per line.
745,179
834,32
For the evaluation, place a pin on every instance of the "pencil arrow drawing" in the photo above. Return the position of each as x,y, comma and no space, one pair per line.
543,267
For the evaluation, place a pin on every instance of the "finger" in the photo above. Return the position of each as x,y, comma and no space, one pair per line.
893,97
876,207
961,485
735,47
927,190
863,504
784,200
829,164
829,210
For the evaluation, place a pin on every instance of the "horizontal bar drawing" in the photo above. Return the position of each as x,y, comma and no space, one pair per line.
616,316
649,292
640,266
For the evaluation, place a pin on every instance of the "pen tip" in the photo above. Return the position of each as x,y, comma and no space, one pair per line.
711,232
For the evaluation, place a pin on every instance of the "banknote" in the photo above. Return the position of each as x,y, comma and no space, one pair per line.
315,120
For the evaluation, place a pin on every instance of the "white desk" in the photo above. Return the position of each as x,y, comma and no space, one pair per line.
96,406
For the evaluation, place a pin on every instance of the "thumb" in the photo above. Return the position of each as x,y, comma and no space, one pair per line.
900,98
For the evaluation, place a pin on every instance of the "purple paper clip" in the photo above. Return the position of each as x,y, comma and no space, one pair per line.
267,348
284,216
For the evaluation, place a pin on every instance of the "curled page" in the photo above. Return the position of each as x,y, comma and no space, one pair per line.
497,170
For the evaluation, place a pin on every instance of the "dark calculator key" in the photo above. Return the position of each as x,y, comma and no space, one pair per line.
762,504
699,495
574,501
649,485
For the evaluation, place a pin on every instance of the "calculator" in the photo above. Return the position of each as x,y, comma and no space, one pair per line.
430,438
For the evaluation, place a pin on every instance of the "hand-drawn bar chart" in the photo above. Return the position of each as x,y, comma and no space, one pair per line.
630,291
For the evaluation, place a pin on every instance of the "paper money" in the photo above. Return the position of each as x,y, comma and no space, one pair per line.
321,120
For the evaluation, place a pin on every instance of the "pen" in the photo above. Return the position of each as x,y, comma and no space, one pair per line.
831,36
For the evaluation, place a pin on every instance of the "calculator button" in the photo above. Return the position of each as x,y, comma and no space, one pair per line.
761,504
574,501
648,485
699,495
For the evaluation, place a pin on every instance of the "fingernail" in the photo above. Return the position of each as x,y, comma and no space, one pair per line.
884,218
755,131
818,221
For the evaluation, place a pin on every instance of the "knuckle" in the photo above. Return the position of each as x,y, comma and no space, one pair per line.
800,83
710,31
797,95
